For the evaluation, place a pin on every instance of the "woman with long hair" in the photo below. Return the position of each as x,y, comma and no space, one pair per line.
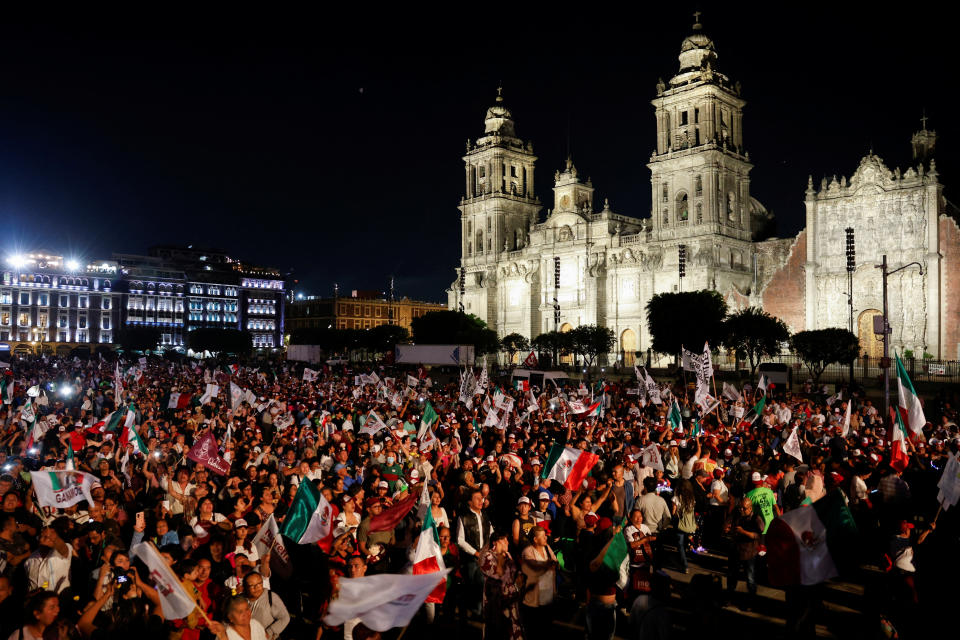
501,594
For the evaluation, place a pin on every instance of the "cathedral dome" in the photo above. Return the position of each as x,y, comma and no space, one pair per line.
697,50
499,119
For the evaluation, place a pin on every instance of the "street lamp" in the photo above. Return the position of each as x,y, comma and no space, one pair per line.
885,362
851,267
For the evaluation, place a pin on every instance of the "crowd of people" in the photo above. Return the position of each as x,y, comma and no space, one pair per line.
517,540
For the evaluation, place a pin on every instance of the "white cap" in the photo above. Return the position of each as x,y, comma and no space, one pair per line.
490,458
383,485
523,500
756,477
543,496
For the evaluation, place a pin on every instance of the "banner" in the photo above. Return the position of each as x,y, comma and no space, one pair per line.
653,391
177,604
206,452
373,424
212,391
61,489
268,540
236,396
531,361
309,375
650,457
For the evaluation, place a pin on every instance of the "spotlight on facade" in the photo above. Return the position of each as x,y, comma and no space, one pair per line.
299,296
73,265
16,261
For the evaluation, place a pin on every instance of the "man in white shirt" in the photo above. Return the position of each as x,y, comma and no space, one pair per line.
48,567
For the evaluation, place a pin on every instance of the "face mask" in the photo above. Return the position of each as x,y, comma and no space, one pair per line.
390,459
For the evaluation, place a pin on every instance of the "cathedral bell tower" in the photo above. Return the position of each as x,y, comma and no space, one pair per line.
700,170
498,209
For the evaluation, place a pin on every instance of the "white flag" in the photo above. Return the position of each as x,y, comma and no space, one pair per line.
143,362
61,489
949,484
268,539
763,383
309,375
846,418
213,390
428,440
33,391
412,382
236,396
176,602
384,601
373,424
731,392
174,400
650,457
792,445
491,420
653,391
250,397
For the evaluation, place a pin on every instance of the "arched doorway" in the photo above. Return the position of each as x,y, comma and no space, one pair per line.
566,358
628,345
870,343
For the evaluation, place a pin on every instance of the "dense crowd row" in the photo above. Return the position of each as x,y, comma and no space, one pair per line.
517,535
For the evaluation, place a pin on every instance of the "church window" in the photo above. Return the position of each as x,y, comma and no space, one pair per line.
666,216
698,186
666,193
489,245
699,213
488,224
469,248
483,172
683,212
696,136
684,115
513,171
479,241
469,226
731,208
696,116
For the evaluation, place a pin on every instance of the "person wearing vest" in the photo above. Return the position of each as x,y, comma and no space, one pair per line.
473,532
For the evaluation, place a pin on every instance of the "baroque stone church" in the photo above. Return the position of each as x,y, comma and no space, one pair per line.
584,264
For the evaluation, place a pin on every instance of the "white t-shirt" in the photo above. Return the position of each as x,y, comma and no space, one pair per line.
48,570
257,632
631,531
718,486
687,470
27,635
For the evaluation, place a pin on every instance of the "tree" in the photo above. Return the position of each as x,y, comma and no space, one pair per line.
455,327
554,344
512,343
590,341
822,347
688,318
385,337
753,333
139,338
220,341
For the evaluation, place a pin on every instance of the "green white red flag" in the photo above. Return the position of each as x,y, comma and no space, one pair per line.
569,466
427,557
909,408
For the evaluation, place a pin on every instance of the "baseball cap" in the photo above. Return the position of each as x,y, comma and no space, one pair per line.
590,519
490,458
543,496
535,461
756,477
239,522
673,443
523,500
370,502
383,485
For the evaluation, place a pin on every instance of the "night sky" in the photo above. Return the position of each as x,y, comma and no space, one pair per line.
331,147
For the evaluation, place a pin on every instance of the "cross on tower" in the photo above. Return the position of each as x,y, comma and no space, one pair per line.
696,18
923,120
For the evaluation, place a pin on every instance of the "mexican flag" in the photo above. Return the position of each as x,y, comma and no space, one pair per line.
758,408
595,410
320,527
179,400
301,511
910,413
674,417
427,558
6,389
899,456
111,423
569,466
521,385
805,545
617,559
71,465
429,417
130,418
129,435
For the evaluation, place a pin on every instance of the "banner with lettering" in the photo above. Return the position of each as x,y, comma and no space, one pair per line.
206,452
62,489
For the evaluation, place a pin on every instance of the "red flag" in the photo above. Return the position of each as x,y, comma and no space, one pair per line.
391,517
205,452
531,361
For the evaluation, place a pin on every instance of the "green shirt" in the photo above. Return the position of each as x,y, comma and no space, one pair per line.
764,502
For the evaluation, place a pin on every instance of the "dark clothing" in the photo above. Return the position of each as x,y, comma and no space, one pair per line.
745,546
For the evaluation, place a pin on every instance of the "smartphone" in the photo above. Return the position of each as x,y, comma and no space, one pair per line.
122,578
140,520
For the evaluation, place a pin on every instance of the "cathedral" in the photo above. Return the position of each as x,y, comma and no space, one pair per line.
581,263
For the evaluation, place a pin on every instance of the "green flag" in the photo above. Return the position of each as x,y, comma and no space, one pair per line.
70,462
758,408
429,417
301,510
617,559
674,417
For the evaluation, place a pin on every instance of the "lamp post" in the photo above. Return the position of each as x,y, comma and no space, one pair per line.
885,362
681,265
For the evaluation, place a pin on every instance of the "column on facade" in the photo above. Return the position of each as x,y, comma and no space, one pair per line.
530,192
810,276
931,270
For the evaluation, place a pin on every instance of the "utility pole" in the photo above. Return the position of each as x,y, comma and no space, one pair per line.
462,286
885,330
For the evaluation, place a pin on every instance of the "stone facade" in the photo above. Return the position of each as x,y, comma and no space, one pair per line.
582,264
